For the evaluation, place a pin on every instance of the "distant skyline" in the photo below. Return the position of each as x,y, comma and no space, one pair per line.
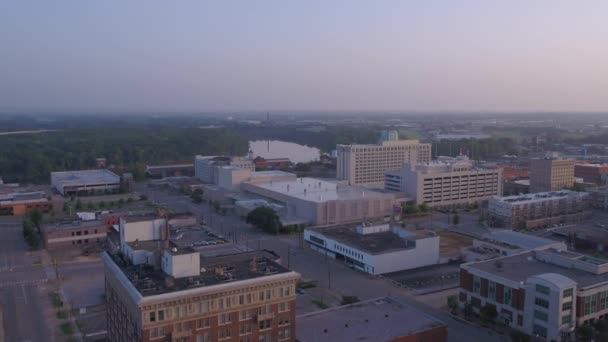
255,56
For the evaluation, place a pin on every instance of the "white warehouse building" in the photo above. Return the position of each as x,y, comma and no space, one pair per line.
376,249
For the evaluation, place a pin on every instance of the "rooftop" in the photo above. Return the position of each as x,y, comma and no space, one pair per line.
214,271
519,267
383,319
373,243
102,176
69,225
539,196
316,190
517,240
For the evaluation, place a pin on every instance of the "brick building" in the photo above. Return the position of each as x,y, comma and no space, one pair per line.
591,173
17,204
74,234
157,291
545,293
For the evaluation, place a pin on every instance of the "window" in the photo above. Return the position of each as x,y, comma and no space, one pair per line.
492,290
265,324
152,316
225,318
541,315
542,289
541,302
603,300
283,307
244,315
157,332
507,295
203,323
161,315
476,284
225,333
539,330
566,319
568,293
284,333
567,306
245,328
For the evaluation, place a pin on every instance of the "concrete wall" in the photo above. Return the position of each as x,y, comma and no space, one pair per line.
426,253
181,265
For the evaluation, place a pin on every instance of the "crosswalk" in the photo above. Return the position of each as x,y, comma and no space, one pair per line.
23,282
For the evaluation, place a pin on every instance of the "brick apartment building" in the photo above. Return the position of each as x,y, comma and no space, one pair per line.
591,173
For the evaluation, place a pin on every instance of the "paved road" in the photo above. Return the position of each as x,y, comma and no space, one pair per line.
312,265
20,287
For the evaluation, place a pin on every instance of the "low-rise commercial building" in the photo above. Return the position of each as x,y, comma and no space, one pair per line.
376,249
381,319
545,293
591,173
175,170
157,291
85,182
205,167
319,202
445,182
74,234
18,203
365,164
538,209
507,242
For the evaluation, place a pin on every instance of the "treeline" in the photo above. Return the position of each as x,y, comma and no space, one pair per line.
475,148
31,157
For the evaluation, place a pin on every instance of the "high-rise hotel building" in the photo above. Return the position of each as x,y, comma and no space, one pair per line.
365,164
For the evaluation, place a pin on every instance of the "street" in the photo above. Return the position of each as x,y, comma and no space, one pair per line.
22,278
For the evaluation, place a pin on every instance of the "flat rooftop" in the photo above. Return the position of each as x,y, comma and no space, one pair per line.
373,243
383,319
218,270
519,267
102,176
271,173
516,239
319,191
59,226
539,197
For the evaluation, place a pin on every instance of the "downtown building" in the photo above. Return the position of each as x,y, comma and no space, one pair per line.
544,293
158,291
538,209
206,167
445,182
551,174
85,182
365,164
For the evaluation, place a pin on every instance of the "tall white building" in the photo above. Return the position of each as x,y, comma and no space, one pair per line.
365,164
447,181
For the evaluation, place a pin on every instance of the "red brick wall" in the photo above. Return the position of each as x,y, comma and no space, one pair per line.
484,287
499,293
466,280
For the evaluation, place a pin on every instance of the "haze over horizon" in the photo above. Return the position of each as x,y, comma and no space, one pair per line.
472,55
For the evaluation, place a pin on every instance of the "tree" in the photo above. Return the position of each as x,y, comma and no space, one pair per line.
266,219
424,208
455,219
36,217
102,204
216,205
78,204
584,333
90,206
452,303
410,209
488,313
197,196
143,198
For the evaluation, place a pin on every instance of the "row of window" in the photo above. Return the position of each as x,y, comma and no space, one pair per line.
221,304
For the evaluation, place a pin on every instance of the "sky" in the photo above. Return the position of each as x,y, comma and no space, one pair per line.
313,55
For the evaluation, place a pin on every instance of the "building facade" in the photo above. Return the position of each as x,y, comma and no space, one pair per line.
205,167
85,182
548,174
591,173
365,164
539,209
319,202
545,293
17,204
74,234
174,294
376,249
445,182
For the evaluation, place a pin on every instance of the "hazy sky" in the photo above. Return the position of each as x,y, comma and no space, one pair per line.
327,55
